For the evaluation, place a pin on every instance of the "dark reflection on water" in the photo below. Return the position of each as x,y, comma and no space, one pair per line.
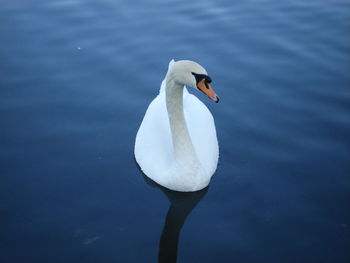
181,205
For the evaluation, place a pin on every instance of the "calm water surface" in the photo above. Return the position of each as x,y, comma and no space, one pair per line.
76,77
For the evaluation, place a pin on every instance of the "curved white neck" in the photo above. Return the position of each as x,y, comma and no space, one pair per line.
184,152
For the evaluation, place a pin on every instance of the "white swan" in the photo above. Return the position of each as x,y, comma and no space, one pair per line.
176,144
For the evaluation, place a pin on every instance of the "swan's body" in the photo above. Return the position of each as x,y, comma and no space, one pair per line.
176,144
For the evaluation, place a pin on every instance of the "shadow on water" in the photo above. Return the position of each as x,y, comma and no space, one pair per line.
181,204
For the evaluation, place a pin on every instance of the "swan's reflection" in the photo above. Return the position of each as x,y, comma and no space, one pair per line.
181,204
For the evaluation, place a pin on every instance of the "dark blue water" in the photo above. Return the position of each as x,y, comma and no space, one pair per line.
75,80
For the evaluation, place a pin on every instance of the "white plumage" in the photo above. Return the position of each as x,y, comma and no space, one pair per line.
176,144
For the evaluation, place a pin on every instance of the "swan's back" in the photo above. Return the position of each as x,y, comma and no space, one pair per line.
154,148
153,145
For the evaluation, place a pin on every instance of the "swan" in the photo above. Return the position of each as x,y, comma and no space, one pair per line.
176,144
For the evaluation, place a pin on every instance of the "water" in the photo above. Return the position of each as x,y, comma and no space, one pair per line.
75,80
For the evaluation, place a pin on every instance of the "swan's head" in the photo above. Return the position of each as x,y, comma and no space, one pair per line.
191,74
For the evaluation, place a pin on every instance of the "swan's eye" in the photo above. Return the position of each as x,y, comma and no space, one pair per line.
202,77
206,82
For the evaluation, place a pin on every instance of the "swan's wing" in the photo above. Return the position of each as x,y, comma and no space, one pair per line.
154,133
202,130
162,86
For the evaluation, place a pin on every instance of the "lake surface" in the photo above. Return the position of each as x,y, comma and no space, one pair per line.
76,77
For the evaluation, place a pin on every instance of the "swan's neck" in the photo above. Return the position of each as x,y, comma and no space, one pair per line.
184,152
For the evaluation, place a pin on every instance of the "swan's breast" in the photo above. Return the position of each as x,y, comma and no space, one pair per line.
202,131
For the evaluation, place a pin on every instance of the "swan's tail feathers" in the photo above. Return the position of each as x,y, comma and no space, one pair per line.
162,86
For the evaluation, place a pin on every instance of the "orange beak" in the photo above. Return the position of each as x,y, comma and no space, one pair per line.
206,88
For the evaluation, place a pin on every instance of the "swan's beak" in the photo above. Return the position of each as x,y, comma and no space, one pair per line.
206,88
